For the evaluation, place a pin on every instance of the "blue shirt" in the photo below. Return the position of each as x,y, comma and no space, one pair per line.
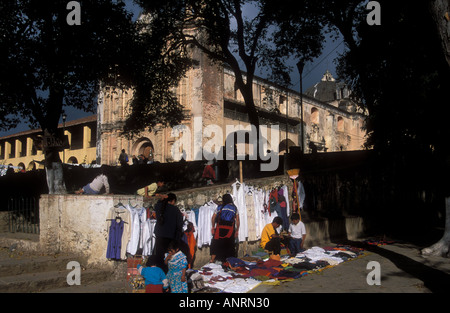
152,275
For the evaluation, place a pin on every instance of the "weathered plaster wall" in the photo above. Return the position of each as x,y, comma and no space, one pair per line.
77,223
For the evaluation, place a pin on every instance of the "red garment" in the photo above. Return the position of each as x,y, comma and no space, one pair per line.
192,243
153,288
209,172
273,194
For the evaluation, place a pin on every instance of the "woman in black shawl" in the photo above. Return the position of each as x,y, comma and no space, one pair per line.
169,227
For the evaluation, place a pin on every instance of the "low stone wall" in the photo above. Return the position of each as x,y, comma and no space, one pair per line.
4,221
77,223
199,196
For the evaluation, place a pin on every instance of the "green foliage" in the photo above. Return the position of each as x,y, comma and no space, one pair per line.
243,34
47,64
399,71
159,63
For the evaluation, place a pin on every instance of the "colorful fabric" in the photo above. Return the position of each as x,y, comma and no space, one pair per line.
176,264
191,242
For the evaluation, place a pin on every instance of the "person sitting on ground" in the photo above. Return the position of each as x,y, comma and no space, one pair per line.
270,238
155,278
297,234
152,190
96,185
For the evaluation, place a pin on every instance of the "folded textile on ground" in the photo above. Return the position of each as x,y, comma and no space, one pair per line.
243,274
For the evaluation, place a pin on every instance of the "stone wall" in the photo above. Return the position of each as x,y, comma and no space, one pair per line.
77,223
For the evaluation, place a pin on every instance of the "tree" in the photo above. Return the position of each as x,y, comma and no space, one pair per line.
159,63
440,14
54,56
399,71
221,30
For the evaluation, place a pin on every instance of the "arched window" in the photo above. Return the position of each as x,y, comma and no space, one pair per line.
72,160
314,116
31,166
145,147
340,124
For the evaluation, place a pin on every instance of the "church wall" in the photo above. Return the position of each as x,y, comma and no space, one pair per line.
203,92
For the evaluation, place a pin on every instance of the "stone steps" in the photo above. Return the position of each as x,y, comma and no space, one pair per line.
41,281
17,265
48,273
113,286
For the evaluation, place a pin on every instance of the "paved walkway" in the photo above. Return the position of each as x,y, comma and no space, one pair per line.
402,269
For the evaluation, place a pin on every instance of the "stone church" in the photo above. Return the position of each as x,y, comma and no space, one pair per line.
214,112
331,121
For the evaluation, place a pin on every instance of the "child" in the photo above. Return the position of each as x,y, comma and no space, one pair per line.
177,263
155,279
298,233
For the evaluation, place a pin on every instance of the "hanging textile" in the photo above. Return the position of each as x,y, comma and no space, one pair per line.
133,244
239,197
205,215
191,242
124,214
295,201
276,201
115,239
148,237
301,194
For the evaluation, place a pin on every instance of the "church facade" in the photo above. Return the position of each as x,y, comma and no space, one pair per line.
215,110
214,113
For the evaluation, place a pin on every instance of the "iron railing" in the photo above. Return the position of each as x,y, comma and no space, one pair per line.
23,215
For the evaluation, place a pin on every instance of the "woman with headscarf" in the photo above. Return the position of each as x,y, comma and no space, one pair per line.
225,228
168,228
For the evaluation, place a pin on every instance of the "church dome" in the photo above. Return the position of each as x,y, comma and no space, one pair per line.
328,89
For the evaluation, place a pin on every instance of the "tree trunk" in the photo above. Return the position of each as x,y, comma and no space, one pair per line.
53,165
440,11
55,178
441,248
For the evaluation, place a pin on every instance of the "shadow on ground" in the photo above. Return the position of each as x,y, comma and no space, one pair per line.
435,280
